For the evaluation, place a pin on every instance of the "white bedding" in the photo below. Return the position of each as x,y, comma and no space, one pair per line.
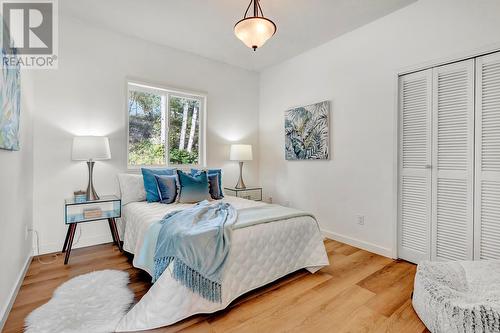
259,255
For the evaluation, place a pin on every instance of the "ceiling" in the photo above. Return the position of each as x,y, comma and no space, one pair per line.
205,27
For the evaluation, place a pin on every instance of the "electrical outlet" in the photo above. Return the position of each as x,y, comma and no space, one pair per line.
287,204
270,200
360,219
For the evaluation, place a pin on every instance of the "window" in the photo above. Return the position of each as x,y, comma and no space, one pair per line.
165,127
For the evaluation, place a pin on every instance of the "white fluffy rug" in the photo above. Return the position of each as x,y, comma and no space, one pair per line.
93,302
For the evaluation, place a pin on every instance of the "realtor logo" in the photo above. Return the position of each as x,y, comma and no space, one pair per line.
30,33
30,26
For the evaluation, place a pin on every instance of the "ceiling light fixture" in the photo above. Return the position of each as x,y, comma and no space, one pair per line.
254,30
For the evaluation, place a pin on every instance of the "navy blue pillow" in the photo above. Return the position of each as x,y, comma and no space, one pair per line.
215,181
150,182
167,188
214,187
192,188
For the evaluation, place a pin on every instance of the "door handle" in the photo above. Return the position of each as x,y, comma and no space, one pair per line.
428,166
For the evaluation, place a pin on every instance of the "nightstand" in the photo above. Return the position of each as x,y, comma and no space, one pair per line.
250,192
107,207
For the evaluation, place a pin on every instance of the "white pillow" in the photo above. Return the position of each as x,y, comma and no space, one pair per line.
131,188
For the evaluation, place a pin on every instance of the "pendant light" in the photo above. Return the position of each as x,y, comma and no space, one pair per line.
254,30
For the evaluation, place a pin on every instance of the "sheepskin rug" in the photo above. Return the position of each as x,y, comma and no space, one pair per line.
93,302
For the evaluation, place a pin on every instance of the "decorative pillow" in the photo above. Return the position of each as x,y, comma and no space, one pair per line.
167,188
192,188
131,188
214,187
215,181
150,182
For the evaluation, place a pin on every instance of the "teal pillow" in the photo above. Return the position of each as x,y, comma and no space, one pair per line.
192,188
150,184
215,182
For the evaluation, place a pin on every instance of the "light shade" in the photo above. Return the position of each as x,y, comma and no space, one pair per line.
241,153
86,148
254,31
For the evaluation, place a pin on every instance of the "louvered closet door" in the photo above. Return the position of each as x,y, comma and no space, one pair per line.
453,161
487,209
414,214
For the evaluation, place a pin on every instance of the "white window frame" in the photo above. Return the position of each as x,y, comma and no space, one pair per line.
136,85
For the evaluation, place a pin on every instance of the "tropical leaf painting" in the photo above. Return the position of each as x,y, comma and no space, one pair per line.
10,100
307,134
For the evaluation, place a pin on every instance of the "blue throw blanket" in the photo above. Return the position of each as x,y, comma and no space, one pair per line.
197,240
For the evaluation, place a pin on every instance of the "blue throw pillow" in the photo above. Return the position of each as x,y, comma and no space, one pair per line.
214,188
150,182
215,181
192,188
167,188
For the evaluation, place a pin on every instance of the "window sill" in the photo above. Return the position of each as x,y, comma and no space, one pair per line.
184,167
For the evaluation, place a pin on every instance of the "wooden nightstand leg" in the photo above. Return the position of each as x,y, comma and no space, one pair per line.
72,228
66,240
114,233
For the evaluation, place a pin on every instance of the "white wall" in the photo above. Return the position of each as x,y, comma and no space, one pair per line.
86,95
357,72
16,202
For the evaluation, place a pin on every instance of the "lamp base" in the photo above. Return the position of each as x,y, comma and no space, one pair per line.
91,193
241,184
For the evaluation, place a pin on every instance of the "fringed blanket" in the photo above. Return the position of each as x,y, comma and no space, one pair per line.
197,240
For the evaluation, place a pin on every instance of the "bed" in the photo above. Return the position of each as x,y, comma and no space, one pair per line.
260,254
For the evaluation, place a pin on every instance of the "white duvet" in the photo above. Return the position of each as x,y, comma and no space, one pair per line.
259,255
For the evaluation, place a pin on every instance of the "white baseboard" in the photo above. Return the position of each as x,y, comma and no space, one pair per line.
383,251
13,294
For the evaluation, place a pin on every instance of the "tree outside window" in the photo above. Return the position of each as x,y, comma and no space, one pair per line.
161,122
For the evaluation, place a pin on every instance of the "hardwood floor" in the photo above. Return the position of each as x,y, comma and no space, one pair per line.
359,292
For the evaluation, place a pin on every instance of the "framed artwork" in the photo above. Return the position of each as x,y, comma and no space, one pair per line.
307,132
10,103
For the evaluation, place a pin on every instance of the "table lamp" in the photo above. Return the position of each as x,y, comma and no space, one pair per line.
240,153
90,149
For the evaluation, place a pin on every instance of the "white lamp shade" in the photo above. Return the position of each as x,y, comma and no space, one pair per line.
86,148
240,153
254,31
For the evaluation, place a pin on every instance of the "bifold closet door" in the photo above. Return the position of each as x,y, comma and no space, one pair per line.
487,205
414,216
453,161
